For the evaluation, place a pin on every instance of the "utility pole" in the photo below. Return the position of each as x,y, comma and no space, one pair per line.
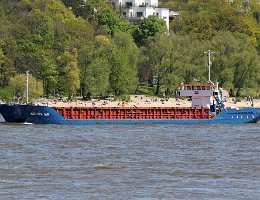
27,86
209,52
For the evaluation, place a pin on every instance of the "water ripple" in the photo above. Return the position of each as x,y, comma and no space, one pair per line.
129,162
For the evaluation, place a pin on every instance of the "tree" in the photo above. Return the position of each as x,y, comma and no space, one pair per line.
205,19
119,75
144,69
175,58
236,62
125,54
158,51
49,76
79,7
18,85
125,43
97,77
70,79
34,34
95,67
6,69
112,22
149,27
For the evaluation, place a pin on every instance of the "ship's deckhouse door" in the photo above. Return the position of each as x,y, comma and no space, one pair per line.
196,102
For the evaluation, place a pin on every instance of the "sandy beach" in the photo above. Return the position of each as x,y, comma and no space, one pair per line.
142,101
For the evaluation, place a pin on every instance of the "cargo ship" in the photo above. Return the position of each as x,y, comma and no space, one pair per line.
207,107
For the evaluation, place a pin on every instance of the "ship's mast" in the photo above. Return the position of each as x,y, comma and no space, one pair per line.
27,87
209,52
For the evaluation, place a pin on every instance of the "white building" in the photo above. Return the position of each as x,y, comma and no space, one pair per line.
136,3
139,9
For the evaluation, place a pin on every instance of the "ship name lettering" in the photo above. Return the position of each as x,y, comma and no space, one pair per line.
39,114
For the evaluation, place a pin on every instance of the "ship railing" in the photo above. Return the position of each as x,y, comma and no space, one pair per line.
198,87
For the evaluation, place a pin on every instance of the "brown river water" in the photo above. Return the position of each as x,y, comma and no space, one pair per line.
130,162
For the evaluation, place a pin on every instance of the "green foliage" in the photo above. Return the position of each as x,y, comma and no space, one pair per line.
123,75
6,68
158,52
95,66
49,76
111,22
34,34
6,94
149,27
119,75
70,79
236,64
125,43
108,19
205,18
79,7
97,77
40,35
18,87
173,59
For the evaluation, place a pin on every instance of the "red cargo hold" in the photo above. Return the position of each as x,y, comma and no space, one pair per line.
133,113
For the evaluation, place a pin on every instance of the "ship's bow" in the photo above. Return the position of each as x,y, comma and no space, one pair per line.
15,113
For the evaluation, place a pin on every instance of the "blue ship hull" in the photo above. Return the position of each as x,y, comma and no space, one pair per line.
36,114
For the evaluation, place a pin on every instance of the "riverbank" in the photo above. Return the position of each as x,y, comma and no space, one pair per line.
142,101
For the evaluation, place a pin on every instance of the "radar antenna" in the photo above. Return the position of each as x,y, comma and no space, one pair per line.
209,52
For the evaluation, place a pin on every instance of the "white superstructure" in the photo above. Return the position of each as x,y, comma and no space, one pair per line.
202,95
